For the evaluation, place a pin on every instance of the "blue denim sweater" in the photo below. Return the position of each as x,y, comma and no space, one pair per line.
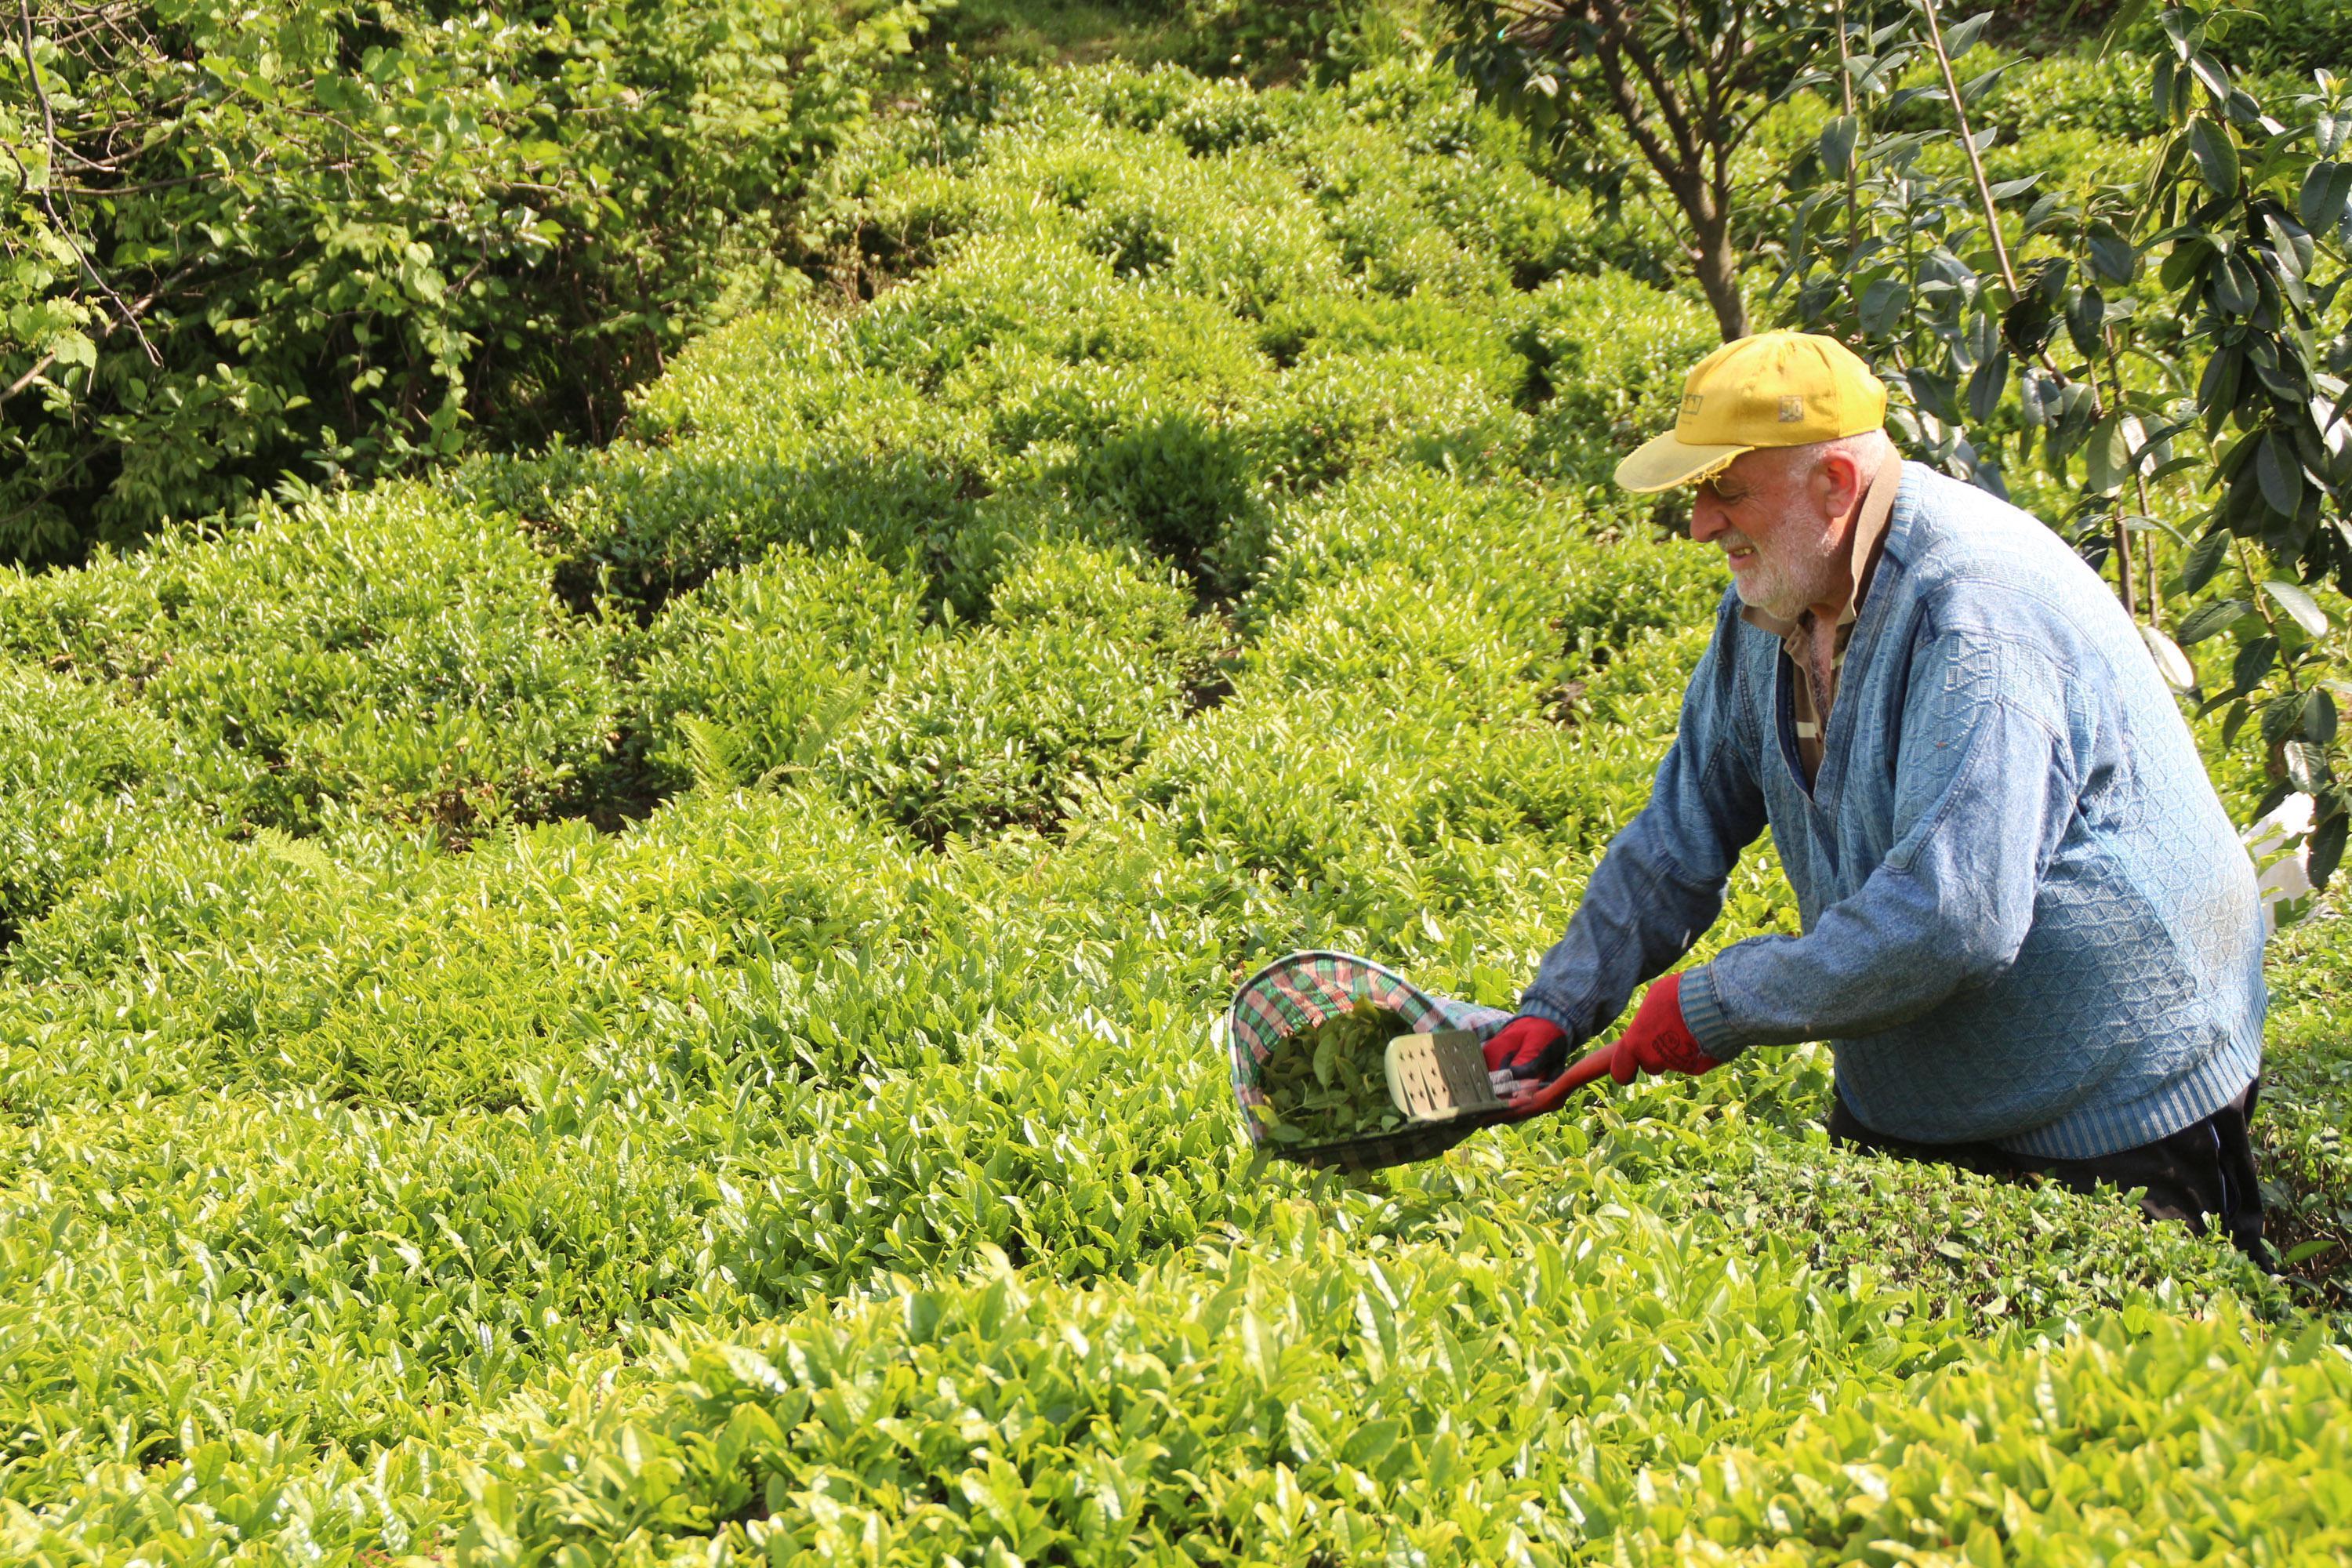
2026,918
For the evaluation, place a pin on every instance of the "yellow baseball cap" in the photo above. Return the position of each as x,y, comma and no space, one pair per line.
1774,389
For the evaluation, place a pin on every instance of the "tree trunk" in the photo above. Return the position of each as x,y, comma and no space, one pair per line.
1718,268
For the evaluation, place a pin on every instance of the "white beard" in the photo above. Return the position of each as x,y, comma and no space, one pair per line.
1779,588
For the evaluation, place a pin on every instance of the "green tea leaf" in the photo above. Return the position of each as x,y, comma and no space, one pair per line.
2326,851
2216,153
1837,141
2326,194
2107,455
2208,618
2300,606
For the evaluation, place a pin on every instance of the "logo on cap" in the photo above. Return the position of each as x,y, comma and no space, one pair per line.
1792,410
1691,400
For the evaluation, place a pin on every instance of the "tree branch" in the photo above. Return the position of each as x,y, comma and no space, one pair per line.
1629,110
137,310
64,229
1671,108
30,376
1968,145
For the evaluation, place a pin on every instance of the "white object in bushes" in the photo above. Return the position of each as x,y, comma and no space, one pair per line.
2282,878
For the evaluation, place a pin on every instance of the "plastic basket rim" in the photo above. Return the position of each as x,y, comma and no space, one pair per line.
1375,1150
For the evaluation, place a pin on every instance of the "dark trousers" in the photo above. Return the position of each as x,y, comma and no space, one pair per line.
2206,1168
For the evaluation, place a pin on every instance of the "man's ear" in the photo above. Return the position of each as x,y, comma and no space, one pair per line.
1838,483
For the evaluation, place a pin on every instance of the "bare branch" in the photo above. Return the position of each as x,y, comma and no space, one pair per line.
64,229
33,78
1630,111
1662,90
29,377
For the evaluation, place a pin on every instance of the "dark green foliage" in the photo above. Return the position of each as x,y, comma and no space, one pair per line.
1269,41
344,234
1330,1083
2287,37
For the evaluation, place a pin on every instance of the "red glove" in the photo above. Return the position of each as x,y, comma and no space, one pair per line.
1536,1051
1533,1047
1657,1040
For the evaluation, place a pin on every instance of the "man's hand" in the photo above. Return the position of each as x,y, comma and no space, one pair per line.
1528,1048
1535,1051
1657,1040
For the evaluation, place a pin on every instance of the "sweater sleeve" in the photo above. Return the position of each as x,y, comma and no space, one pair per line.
1661,882
1985,788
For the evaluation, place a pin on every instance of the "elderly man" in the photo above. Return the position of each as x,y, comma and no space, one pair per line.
2030,934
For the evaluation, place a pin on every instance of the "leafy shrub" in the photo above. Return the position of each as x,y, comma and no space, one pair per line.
1471,176
2292,39
1183,483
346,233
1607,356
1472,337
1152,1392
2308,1189
1385,238
78,765
1633,585
1218,118
1086,663
1426,758
2105,93
994,289
388,654
1265,39
2151,1427
1241,235
752,672
642,526
1335,414
2074,159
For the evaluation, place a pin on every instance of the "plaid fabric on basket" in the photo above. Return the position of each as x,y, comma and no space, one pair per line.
1299,991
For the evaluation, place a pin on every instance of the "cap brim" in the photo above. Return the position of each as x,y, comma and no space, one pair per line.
1664,462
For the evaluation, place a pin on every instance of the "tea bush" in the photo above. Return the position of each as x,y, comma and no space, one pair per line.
754,671
1607,355
1086,664
78,762
2179,1442
386,654
1195,548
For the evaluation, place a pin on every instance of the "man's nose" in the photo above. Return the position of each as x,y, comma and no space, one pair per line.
1706,521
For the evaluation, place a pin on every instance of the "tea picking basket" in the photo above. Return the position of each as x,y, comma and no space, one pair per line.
1299,991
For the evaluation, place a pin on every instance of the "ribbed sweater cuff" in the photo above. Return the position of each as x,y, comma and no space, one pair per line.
1534,1006
1703,1017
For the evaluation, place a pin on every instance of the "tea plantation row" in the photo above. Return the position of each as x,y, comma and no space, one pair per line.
653,1006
